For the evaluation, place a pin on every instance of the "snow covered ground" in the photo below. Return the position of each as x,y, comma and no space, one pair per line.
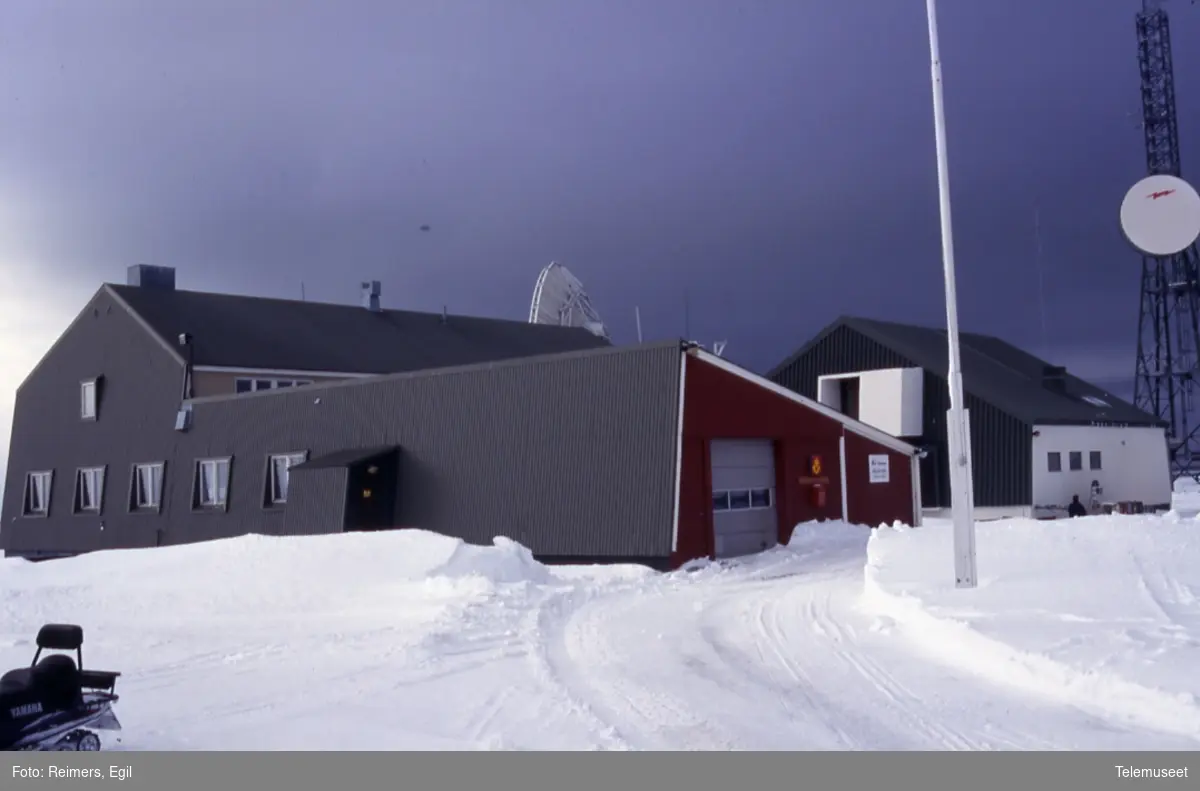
1082,635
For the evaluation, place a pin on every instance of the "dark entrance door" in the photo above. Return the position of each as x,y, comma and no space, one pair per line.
371,487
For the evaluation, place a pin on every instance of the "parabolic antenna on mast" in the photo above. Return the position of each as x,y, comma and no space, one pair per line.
559,298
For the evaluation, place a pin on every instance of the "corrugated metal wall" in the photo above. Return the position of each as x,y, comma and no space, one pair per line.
1002,444
138,398
571,456
317,502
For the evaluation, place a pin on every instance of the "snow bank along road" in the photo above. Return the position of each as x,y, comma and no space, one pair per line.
415,641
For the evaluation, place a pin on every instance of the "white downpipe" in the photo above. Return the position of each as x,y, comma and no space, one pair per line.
842,464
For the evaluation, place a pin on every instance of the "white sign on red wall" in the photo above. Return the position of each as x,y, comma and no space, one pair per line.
879,468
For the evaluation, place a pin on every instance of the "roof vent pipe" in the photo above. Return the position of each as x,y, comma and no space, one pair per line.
370,295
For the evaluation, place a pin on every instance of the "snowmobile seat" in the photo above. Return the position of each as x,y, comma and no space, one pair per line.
16,682
56,678
60,637
56,681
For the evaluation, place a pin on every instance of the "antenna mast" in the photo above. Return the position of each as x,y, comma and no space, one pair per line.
1168,328
1037,239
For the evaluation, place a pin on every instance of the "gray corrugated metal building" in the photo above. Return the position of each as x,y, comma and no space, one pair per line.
108,391
1017,404
571,455
588,454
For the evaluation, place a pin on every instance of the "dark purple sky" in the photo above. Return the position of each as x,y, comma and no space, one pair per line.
773,160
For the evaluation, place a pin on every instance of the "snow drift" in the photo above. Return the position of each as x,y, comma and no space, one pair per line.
1080,637
1100,613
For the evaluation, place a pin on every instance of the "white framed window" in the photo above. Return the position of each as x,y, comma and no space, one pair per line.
760,498
87,399
145,486
739,500
37,493
279,473
212,483
743,499
89,490
247,384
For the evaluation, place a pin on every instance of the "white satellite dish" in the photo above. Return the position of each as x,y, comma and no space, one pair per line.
1161,215
559,298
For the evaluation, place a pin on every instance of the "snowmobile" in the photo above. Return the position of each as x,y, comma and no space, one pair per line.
52,704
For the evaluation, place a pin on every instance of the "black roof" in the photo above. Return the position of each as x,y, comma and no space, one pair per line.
236,331
996,372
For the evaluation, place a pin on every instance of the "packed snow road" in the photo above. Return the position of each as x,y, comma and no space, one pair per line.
329,643
778,656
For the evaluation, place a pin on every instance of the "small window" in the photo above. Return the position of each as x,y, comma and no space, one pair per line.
87,400
1094,460
1076,460
739,500
284,383
263,384
720,501
278,474
760,498
303,382
145,487
1054,461
212,483
37,493
89,490
243,385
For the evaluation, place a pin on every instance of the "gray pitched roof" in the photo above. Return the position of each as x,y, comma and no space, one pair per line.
256,332
997,372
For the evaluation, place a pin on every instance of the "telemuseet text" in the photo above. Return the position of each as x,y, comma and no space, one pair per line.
1156,772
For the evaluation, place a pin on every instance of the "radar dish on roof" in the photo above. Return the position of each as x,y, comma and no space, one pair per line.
1161,215
559,299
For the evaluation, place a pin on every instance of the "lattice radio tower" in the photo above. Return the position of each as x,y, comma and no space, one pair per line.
1168,327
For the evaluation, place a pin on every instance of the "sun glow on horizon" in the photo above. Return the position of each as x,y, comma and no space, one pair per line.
34,311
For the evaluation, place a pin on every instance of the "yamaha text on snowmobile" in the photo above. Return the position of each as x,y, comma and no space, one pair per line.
54,703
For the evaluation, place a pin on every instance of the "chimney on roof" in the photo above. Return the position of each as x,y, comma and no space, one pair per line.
370,295
146,276
1054,377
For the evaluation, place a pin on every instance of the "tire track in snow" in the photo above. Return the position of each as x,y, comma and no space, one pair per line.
609,664
546,621
1123,714
863,690
931,707
786,646
909,723
674,689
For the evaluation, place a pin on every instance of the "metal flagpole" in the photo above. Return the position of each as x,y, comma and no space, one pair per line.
957,420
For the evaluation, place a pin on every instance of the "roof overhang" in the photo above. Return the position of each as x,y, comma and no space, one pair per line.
347,457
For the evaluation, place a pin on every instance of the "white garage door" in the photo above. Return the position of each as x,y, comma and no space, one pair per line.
743,483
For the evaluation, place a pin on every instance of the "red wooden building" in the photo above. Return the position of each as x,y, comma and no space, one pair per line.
757,459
